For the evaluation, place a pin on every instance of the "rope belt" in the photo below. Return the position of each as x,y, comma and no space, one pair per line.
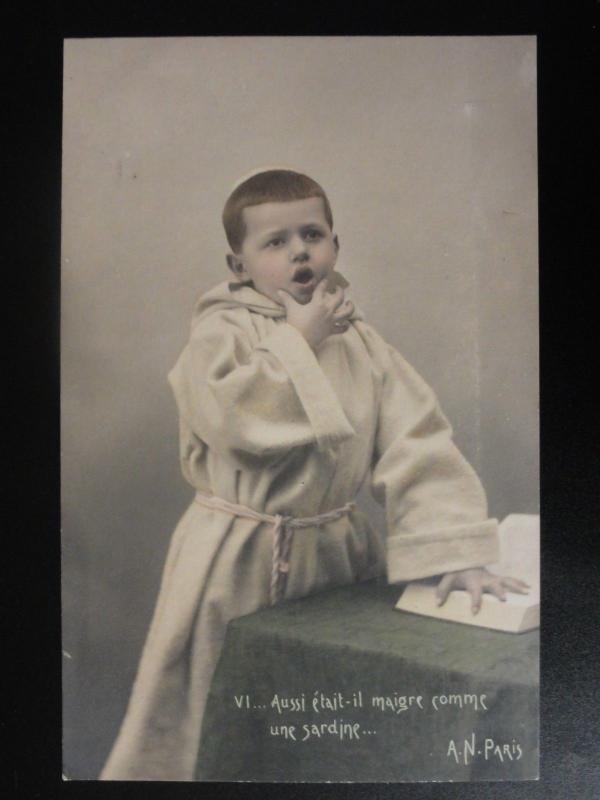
283,531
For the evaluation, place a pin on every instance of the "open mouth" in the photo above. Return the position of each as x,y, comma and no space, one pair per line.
303,275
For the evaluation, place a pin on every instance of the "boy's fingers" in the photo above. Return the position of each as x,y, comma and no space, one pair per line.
321,287
340,327
443,589
515,585
337,298
347,307
475,591
521,583
496,589
345,311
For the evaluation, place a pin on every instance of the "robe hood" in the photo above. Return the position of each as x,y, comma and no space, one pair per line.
233,294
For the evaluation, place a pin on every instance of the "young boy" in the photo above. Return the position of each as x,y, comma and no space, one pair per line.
287,401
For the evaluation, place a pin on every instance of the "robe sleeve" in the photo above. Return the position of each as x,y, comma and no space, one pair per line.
436,508
253,402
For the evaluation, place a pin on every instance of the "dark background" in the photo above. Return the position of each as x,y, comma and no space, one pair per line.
568,181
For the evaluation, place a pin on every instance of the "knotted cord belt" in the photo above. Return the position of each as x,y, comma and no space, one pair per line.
283,531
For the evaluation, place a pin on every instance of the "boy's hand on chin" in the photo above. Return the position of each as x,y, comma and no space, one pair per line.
325,314
476,581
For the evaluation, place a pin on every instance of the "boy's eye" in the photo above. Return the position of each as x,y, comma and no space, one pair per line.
275,242
312,235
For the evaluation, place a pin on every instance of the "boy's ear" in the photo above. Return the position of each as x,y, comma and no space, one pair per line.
236,265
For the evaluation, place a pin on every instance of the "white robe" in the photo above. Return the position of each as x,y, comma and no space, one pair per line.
267,423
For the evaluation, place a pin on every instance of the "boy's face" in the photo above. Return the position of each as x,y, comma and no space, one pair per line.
287,246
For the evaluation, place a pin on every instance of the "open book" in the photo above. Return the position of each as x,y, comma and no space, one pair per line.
519,558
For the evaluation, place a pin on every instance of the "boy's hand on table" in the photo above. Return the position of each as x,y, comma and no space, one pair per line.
476,581
325,313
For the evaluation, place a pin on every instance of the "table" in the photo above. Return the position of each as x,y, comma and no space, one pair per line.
346,663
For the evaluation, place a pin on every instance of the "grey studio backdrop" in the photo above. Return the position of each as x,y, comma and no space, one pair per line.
427,149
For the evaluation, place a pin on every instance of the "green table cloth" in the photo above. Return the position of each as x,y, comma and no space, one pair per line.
320,689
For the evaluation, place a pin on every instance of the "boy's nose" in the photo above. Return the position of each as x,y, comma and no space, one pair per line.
298,251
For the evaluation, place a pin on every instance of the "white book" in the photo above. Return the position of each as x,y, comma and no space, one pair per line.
519,558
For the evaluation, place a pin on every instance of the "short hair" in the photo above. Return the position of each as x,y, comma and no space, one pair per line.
270,186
